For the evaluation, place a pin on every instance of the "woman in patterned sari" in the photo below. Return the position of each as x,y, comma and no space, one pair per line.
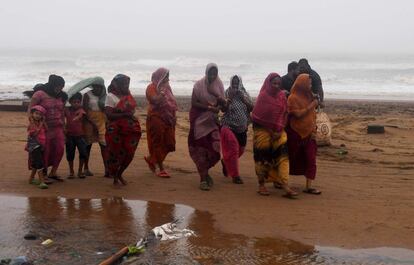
233,132
123,129
269,118
204,137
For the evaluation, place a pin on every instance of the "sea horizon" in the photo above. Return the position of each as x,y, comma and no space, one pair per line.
366,76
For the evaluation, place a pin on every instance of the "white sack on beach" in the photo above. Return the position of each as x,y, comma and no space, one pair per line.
324,129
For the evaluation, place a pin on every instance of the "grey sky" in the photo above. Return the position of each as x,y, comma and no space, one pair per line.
216,25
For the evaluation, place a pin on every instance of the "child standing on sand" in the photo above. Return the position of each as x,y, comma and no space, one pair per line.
36,141
75,115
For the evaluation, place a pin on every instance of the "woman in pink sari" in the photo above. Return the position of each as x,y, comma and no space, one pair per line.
52,99
204,136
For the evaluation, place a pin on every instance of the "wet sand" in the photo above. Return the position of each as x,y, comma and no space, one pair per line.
367,198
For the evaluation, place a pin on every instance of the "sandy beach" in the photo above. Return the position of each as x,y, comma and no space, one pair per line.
367,198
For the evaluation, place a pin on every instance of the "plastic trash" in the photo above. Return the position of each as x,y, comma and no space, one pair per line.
19,261
47,242
30,236
168,231
342,152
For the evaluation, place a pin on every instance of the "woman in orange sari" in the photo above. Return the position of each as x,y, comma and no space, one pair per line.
301,130
123,131
161,121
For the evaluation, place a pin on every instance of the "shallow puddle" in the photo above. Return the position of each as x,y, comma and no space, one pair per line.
87,231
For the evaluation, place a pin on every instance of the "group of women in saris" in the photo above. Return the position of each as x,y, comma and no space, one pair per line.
283,128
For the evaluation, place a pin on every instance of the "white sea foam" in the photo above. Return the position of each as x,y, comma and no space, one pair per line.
380,77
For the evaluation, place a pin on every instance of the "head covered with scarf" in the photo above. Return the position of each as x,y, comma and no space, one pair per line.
207,93
301,96
168,105
270,109
53,88
237,116
120,85
99,90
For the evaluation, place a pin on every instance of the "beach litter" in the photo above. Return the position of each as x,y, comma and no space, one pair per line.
47,242
21,260
30,236
375,129
168,231
342,152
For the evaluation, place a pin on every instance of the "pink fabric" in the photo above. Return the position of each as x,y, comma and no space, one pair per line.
54,148
55,138
74,121
168,106
38,132
206,94
53,106
205,152
302,154
231,151
39,108
270,109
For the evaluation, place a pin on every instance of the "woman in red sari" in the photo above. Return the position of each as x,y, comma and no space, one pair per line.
123,130
161,121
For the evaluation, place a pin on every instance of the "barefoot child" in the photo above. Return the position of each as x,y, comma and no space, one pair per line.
75,115
36,141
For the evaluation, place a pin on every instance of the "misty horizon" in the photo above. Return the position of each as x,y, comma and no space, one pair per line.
216,26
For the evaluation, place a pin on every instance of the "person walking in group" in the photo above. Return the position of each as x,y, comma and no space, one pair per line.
36,141
75,136
305,68
204,137
51,97
301,131
161,120
94,105
123,129
269,118
233,132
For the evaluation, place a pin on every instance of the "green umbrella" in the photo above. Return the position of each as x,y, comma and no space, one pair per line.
78,87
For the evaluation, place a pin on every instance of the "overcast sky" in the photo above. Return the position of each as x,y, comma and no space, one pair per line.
211,25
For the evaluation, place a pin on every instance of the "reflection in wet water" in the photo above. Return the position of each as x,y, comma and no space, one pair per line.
86,231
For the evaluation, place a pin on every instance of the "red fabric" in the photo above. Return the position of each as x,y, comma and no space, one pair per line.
38,131
167,105
270,110
55,146
122,137
166,108
160,138
231,151
302,154
74,121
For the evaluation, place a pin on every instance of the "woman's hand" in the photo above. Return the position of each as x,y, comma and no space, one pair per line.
213,109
